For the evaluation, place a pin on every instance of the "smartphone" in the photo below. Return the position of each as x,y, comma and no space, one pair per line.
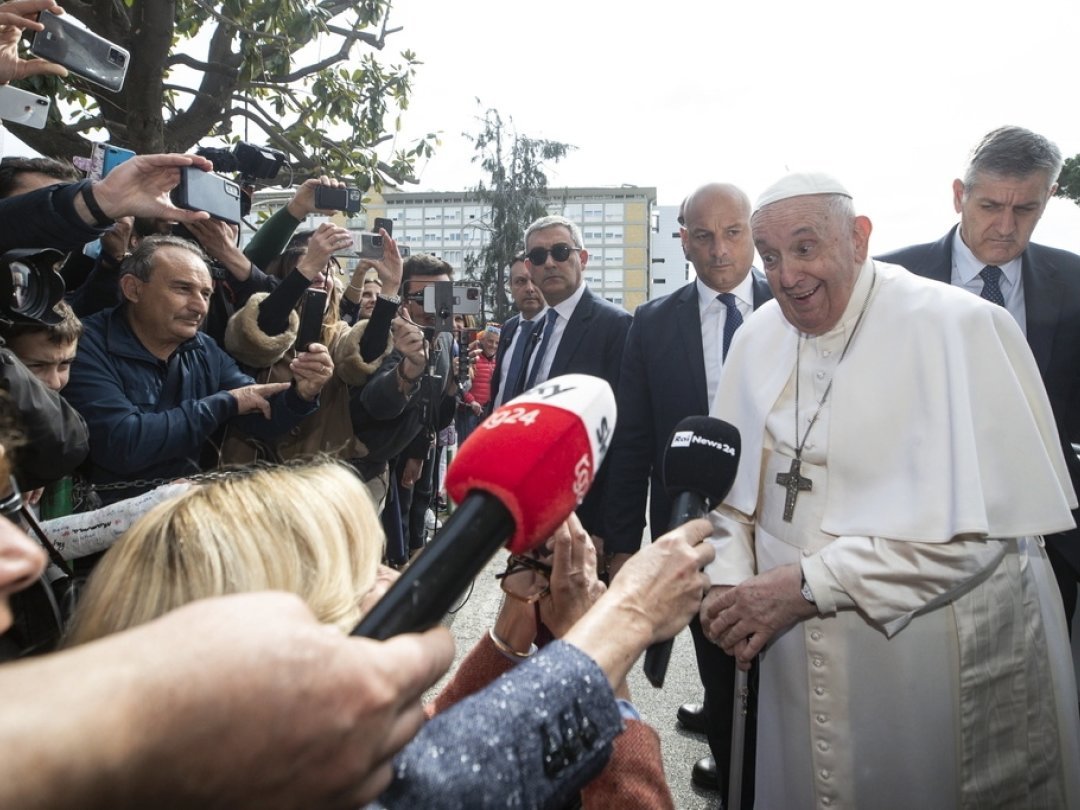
371,246
312,309
105,157
23,107
206,191
334,198
385,224
463,300
81,51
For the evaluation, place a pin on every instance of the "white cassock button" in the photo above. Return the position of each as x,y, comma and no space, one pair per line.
823,746
822,718
825,774
826,801
818,663
820,375
816,635
819,690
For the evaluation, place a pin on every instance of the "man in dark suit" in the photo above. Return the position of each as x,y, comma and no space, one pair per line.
582,333
1011,176
671,367
530,305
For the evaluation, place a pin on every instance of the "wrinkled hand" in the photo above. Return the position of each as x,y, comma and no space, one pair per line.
655,595
744,618
574,584
312,370
663,582
303,201
257,397
140,187
15,17
389,268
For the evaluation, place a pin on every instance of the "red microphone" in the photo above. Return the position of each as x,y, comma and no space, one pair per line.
517,477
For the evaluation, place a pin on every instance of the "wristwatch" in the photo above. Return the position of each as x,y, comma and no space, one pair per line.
807,594
393,299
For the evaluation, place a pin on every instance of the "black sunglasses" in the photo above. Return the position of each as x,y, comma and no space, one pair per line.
560,253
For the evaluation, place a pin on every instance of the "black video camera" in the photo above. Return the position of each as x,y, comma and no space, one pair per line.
30,286
249,161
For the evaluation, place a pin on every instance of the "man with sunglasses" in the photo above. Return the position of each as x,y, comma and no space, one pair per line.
582,333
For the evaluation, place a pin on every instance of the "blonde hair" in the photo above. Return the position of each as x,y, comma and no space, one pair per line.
311,530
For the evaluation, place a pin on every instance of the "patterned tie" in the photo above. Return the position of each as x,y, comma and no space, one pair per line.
538,357
991,291
733,320
515,374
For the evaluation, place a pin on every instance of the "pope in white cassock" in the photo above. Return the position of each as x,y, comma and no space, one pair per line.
883,537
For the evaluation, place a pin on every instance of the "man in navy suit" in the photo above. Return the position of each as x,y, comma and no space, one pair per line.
671,367
530,305
581,333
1011,176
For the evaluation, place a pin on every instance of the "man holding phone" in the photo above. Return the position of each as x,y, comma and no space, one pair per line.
408,400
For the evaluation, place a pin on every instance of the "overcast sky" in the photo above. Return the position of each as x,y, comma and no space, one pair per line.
889,97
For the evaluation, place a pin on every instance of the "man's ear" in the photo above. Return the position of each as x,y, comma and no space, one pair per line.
958,195
130,287
862,229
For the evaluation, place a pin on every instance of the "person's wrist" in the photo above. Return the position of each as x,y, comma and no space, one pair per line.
97,215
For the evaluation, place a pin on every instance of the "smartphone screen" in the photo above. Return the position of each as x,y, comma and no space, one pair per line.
384,223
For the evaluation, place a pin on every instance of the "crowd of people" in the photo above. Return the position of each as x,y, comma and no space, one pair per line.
895,568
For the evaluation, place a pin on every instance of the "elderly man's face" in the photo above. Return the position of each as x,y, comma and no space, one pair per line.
526,295
557,279
811,259
998,214
489,343
173,303
717,240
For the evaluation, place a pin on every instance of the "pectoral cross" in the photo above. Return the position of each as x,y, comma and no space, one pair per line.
794,483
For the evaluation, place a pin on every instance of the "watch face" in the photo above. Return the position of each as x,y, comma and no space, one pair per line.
808,594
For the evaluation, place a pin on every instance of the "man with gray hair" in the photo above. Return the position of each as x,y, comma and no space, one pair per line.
153,388
1010,178
899,463
582,333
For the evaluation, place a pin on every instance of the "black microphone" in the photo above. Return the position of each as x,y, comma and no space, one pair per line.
700,463
517,477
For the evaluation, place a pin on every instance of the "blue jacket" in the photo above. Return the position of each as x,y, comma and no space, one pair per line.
149,418
532,739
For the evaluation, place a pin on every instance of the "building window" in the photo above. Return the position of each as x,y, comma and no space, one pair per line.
614,212
593,212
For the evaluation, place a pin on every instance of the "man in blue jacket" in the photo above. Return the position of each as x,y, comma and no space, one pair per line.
153,388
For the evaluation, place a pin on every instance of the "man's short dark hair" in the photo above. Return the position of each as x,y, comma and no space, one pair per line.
141,261
12,167
424,264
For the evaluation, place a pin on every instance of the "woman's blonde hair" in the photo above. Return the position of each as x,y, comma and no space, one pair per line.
311,530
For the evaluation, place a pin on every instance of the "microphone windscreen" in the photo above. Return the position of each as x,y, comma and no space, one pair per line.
538,454
702,457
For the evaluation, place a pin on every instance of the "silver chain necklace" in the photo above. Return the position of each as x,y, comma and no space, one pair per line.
792,480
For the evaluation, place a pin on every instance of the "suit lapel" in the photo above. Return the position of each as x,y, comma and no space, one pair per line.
506,336
688,315
574,332
1043,294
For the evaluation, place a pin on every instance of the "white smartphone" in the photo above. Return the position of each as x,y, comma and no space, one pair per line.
23,107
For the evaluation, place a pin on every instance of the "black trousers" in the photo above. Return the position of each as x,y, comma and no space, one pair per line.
717,671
